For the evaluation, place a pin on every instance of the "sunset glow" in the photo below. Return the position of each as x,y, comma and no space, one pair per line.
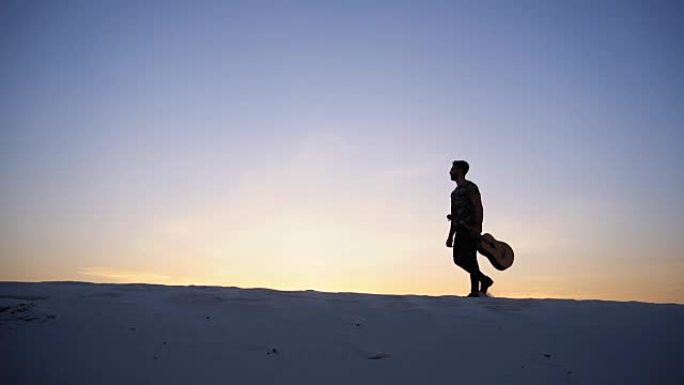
307,145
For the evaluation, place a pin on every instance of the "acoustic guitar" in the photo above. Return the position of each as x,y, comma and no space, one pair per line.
500,254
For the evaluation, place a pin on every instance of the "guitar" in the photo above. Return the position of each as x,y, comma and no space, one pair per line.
500,254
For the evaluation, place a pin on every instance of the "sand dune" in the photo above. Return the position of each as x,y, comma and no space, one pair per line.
82,333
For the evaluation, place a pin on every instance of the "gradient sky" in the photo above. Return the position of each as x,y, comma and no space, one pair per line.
306,145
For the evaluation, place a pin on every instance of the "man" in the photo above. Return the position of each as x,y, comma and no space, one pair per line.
466,227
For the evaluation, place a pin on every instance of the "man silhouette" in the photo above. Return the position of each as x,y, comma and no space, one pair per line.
466,227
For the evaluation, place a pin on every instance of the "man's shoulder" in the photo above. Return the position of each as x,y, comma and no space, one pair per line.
471,187
466,189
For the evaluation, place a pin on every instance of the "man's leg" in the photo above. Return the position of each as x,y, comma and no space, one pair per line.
465,256
478,276
486,283
475,275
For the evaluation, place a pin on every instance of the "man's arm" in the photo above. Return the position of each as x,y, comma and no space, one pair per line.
478,212
452,232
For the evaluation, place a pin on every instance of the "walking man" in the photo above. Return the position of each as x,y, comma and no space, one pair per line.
466,227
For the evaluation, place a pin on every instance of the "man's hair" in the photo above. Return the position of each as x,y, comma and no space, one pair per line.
462,165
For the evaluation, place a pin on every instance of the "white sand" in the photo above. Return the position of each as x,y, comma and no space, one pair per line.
80,333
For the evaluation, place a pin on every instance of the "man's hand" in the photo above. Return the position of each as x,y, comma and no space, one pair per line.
450,242
476,230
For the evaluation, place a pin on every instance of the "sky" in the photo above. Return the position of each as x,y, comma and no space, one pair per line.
306,145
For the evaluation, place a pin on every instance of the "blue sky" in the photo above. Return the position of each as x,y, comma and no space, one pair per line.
307,144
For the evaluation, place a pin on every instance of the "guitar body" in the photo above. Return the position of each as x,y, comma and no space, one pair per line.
500,254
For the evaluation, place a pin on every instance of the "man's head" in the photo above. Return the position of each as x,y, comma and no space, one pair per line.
459,167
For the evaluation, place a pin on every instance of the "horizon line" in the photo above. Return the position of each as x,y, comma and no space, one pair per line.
493,297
